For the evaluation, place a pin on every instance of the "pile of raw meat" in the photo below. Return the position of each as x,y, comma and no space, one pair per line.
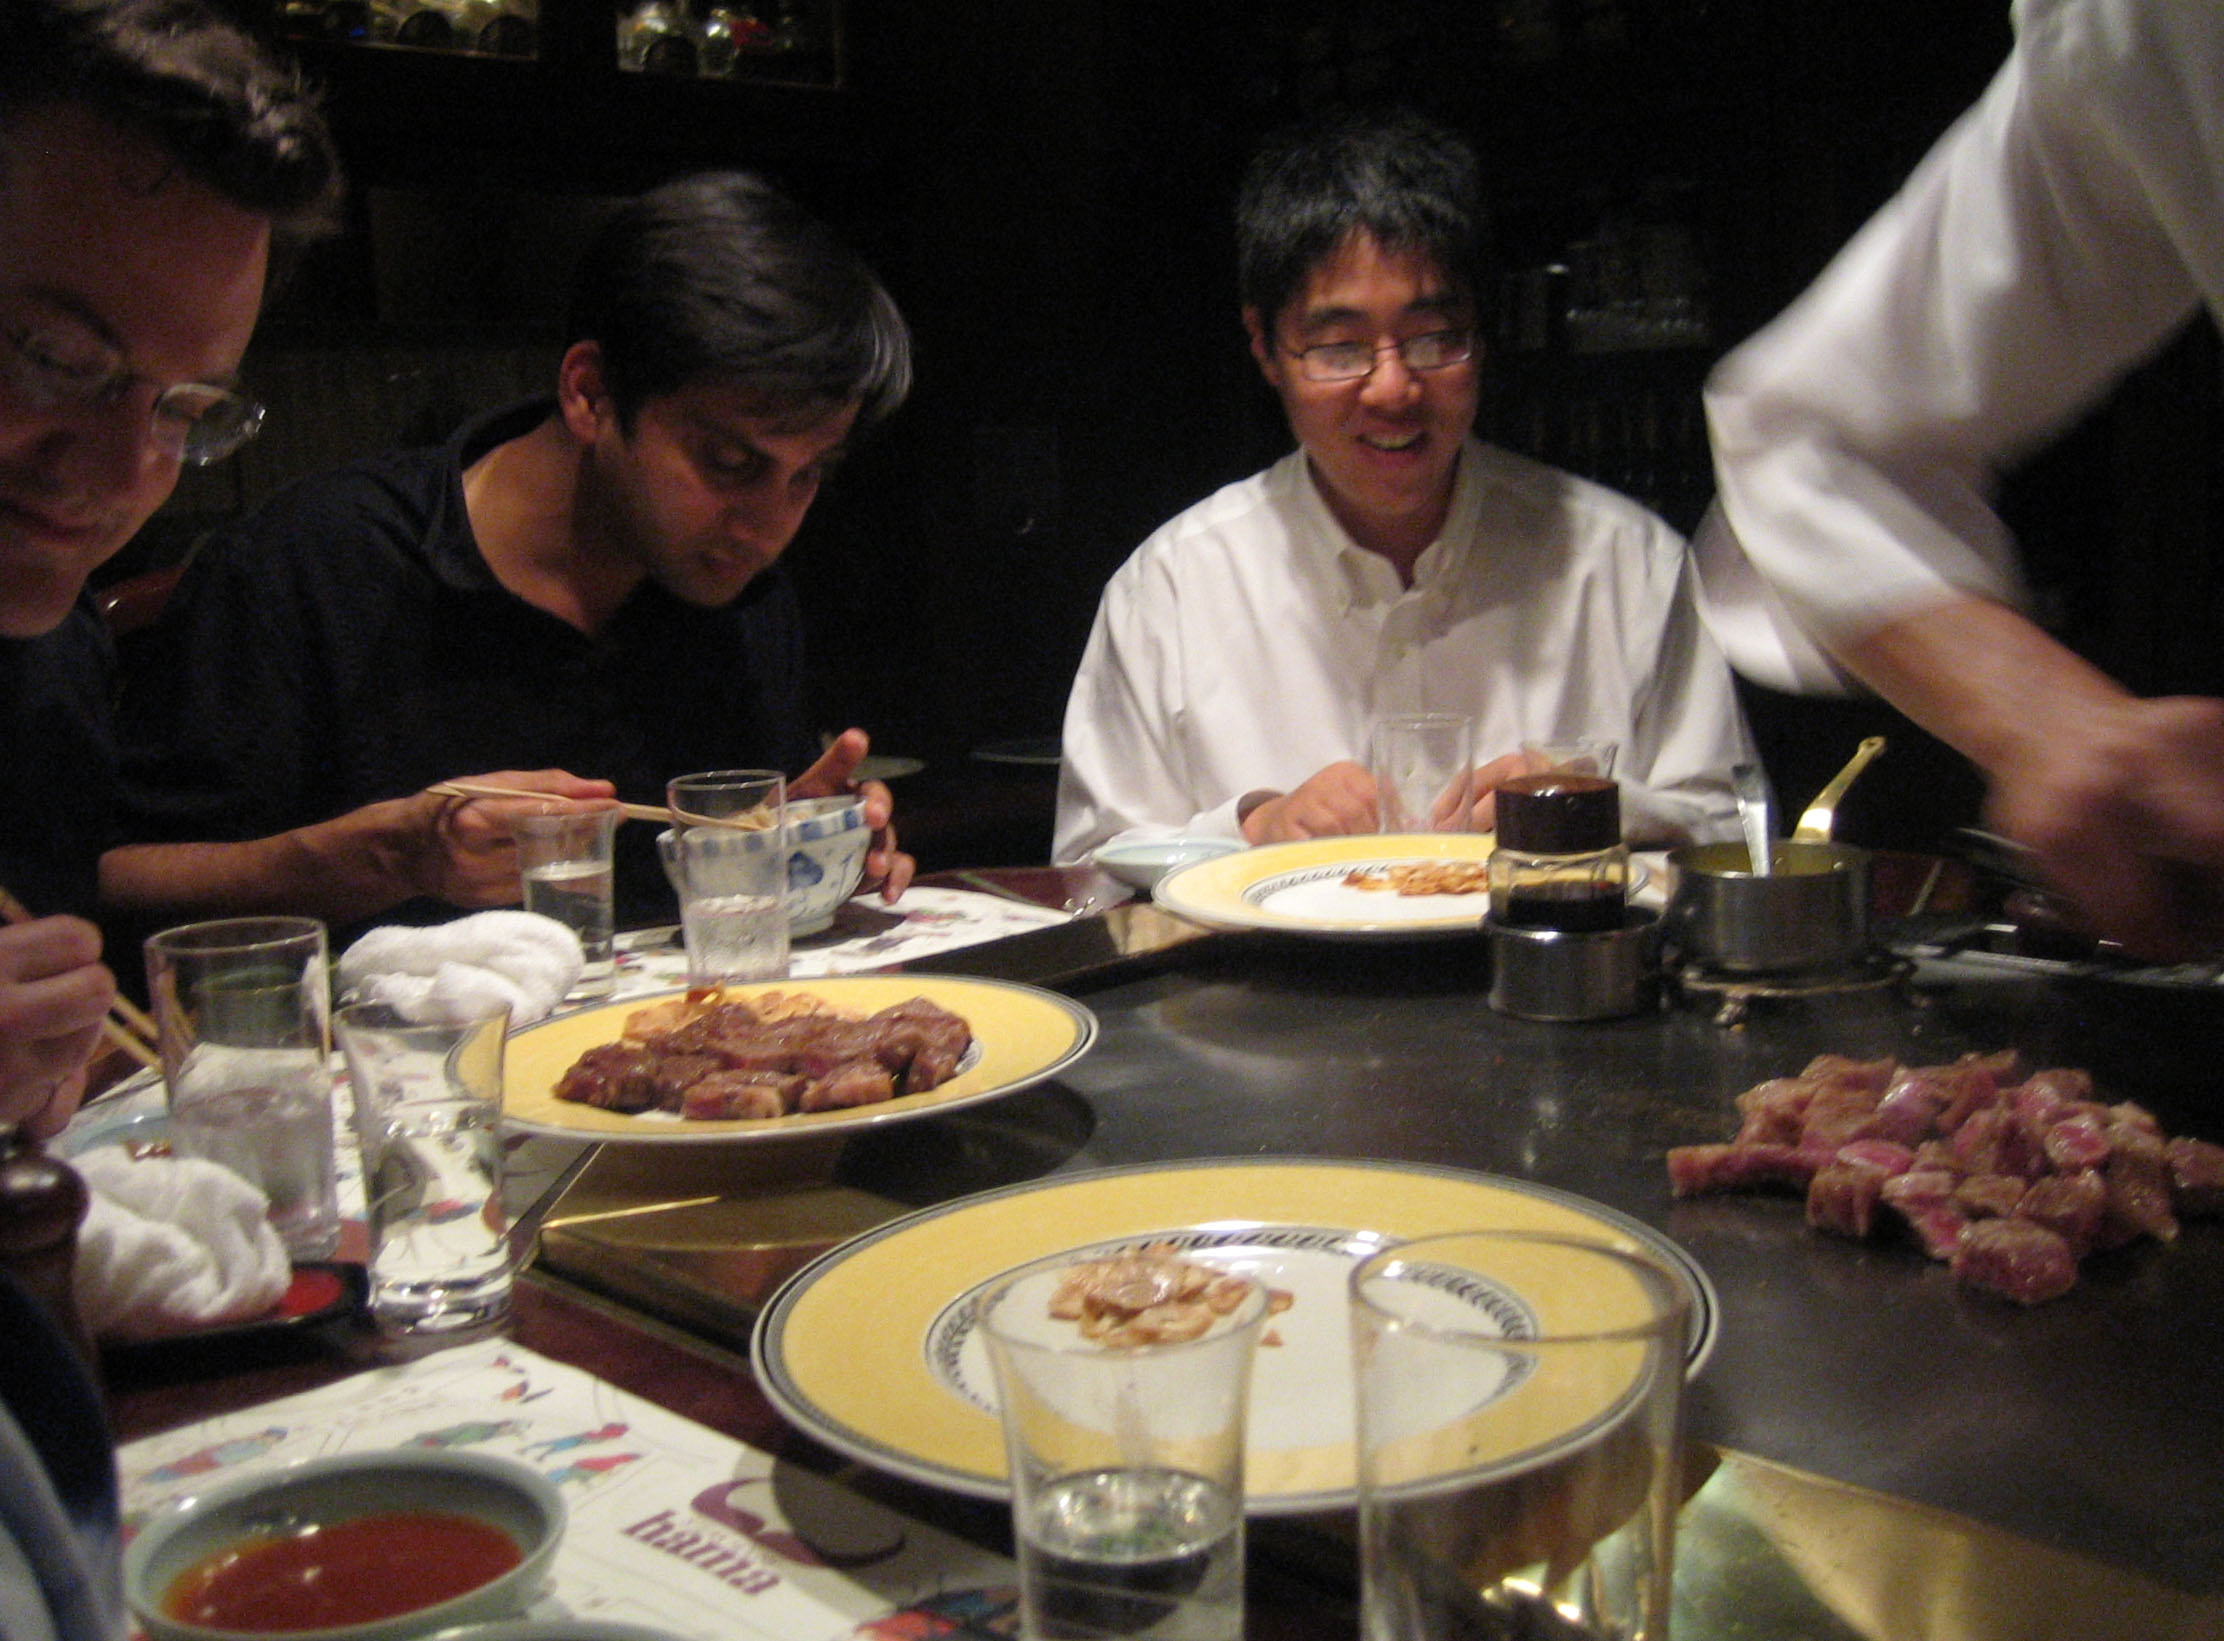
2013,1182
717,1060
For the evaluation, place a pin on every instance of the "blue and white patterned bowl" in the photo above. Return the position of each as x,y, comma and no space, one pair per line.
827,840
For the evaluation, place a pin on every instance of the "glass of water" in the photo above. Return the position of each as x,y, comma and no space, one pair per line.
565,859
428,1116
243,1007
1126,1464
733,892
744,799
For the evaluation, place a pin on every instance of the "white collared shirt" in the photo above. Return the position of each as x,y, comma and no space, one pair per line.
2064,228
1249,643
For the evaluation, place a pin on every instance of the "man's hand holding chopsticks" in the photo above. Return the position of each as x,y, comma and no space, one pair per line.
54,993
467,855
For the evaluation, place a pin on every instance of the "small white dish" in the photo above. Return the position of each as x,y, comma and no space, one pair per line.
1142,862
513,1497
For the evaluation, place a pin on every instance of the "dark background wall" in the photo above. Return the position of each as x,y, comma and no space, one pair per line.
1045,186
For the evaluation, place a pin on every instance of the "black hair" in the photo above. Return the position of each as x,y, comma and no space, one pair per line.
226,109
722,276
1408,182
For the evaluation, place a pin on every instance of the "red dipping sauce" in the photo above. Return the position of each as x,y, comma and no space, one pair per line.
349,1572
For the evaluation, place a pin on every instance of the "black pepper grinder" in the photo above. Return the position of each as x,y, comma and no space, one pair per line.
42,1202
1560,862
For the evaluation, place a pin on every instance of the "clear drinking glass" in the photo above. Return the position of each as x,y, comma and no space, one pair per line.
746,798
565,857
243,1009
1571,755
428,1116
1519,1401
1126,1467
1424,769
733,892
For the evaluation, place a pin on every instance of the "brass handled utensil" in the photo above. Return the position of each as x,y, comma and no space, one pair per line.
1814,826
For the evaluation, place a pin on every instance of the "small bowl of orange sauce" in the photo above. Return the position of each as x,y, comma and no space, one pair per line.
372,1546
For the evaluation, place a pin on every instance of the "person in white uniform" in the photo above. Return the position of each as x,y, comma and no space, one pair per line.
2058,235
1392,563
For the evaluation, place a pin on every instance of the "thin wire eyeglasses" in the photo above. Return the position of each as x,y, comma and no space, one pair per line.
54,365
1348,361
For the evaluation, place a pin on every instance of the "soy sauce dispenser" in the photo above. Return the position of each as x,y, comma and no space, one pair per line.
1565,943
1560,862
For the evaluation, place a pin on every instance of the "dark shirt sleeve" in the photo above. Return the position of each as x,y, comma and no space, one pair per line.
57,763
58,1492
229,723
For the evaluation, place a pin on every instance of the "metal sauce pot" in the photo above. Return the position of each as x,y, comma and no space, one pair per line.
1810,912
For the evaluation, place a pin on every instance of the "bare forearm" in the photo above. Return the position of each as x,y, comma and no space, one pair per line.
2120,798
342,870
1984,680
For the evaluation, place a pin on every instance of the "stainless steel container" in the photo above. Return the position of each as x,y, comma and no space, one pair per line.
1810,912
1561,974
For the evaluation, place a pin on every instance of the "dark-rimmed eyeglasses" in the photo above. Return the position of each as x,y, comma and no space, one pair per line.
1348,361
51,364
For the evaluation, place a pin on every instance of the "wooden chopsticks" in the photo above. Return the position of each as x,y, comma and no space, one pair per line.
754,821
475,789
127,1025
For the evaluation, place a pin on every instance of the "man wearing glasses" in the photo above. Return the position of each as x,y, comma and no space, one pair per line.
154,167
1391,564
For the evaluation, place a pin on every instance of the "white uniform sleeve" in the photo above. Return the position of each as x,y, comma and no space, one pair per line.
2018,273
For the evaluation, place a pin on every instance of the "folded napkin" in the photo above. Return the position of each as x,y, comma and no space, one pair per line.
170,1244
466,967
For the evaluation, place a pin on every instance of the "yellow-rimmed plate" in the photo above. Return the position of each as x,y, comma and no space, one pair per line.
1301,888
1021,1035
872,1349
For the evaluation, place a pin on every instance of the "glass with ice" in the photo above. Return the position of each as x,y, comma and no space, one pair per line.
1125,1448
243,1008
428,1117
727,857
565,859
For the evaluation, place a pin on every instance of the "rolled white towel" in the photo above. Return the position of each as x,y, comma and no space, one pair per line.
170,1244
453,991
518,958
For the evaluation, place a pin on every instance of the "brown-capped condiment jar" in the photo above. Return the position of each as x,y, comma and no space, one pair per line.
1560,862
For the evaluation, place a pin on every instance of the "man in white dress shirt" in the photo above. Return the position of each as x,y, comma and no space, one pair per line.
1392,563
2057,236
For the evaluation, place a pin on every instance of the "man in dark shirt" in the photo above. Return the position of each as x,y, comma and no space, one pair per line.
154,167
586,584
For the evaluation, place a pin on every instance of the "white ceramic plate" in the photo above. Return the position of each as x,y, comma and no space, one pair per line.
1020,1036
871,1347
1300,888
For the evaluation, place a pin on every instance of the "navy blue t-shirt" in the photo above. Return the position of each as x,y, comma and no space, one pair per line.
348,643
